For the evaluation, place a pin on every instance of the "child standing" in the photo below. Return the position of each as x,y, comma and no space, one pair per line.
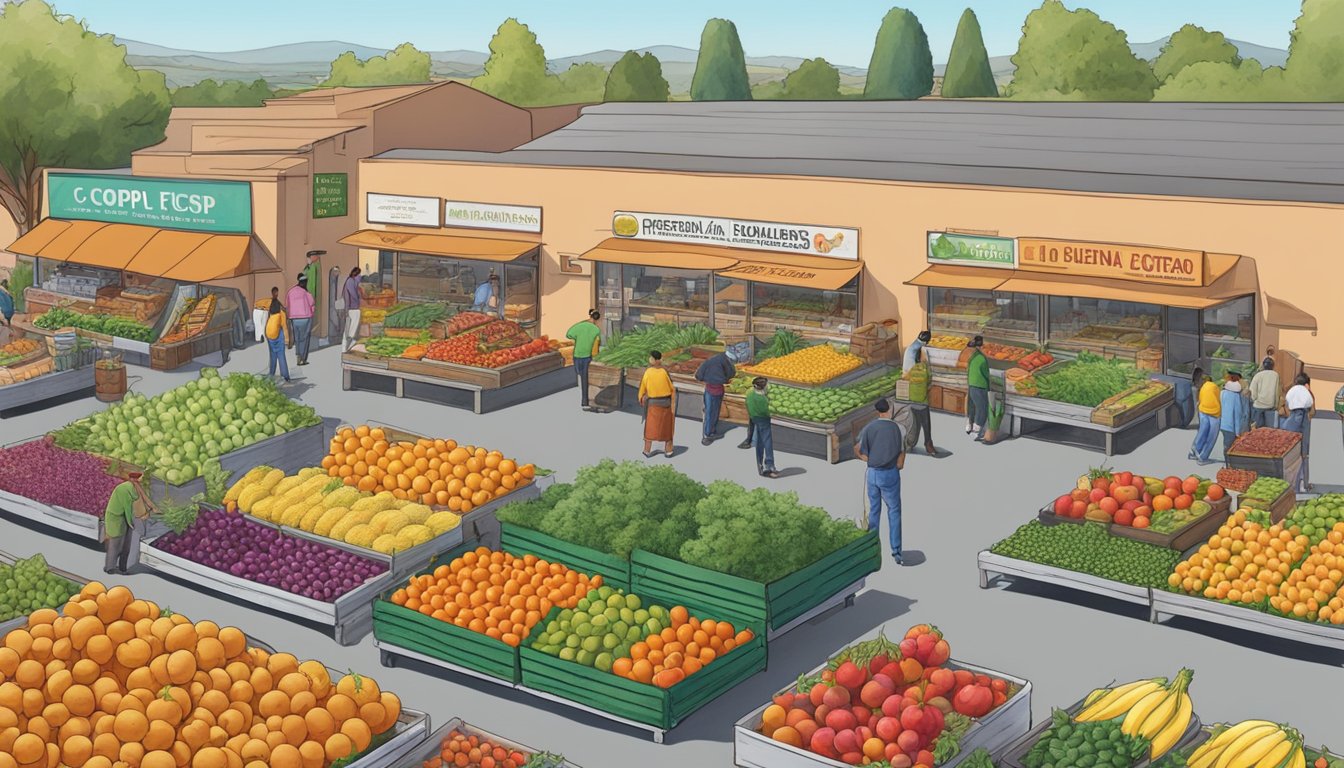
758,411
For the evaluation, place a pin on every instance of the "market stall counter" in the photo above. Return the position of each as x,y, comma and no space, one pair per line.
41,372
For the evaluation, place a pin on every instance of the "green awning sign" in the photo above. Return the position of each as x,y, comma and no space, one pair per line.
200,206
972,250
330,195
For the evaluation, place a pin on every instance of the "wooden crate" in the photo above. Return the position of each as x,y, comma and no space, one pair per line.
936,397
484,378
168,357
1113,419
606,386
954,401
1184,538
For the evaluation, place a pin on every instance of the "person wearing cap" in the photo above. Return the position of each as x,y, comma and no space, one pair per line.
715,372
881,447
301,308
977,389
1266,396
1232,422
486,298
758,415
915,351
123,521
587,338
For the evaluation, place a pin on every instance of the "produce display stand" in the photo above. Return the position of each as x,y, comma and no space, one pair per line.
461,386
133,352
1171,605
51,386
1284,467
1196,532
993,732
168,357
1012,756
780,605
408,734
519,541
431,748
349,617
22,621
1278,508
994,566
1029,415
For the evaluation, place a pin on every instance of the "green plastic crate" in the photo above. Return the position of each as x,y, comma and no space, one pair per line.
615,695
615,571
771,605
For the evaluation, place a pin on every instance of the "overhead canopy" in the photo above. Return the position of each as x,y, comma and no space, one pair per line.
453,246
646,253
189,257
969,278
1281,314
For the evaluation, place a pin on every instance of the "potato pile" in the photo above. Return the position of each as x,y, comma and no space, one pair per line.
117,682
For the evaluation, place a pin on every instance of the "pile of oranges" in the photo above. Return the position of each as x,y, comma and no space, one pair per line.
115,681
1312,591
1244,562
680,650
467,750
494,593
432,472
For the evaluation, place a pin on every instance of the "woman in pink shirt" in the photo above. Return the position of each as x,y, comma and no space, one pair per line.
301,304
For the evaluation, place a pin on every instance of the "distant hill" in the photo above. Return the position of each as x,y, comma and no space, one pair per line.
304,65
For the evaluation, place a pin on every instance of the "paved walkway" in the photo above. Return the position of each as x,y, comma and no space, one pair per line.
955,506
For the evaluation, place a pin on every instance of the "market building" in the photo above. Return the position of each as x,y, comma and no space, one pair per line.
1175,235
233,201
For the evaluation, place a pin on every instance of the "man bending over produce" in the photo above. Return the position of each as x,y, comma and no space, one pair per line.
124,521
880,446
715,372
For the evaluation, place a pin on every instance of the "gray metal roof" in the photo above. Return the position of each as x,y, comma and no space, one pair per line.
1290,152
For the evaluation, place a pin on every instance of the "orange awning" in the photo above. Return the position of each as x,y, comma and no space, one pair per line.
1235,278
189,257
968,278
1281,314
646,253
452,246
802,271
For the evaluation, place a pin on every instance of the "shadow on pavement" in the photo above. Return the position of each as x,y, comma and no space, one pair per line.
1288,649
1081,599
792,472
912,557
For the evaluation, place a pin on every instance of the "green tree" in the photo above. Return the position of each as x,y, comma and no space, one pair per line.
968,74
71,100
1076,55
902,65
1316,53
721,67
516,70
1191,45
637,78
230,93
404,65
583,83
1244,80
813,80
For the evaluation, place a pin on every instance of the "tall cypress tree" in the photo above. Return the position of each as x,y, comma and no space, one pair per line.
902,65
968,74
721,67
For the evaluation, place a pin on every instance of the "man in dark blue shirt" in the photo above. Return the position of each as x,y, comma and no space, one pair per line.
881,445
715,372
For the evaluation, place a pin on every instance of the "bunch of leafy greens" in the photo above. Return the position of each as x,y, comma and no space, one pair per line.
180,517
216,481
616,508
1087,381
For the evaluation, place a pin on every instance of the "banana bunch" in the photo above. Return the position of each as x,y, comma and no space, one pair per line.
1251,744
1156,710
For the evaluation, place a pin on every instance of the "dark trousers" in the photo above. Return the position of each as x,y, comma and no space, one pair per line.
581,368
977,408
922,424
765,444
303,336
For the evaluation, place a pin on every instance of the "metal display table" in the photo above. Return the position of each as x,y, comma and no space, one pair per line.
45,388
994,566
544,377
1170,604
1029,415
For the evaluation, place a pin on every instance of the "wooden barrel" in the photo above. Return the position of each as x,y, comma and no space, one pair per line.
109,384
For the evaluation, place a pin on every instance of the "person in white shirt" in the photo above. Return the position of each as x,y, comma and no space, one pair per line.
1265,394
1301,408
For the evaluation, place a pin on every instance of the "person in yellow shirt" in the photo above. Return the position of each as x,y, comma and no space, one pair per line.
277,335
656,397
1210,416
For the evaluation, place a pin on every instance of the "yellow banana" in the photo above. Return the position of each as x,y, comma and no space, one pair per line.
1278,754
1171,733
1094,697
1118,701
1160,716
1242,742
1208,752
1251,756
1140,711
1298,759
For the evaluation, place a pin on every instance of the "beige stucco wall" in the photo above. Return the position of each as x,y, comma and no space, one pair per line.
1284,240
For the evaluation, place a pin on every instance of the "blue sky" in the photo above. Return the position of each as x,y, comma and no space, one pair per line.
840,30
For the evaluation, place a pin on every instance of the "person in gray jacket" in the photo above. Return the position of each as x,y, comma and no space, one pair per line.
1266,395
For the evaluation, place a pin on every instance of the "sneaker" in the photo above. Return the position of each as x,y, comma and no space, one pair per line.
929,449
648,454
896,557
705,441
110,571
744,444
770,473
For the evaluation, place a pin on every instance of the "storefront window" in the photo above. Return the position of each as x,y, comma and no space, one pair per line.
730,305
610,297
520,294
811,312
1004,318
1113,328
421,279
655,295
1183,350
1228,336
75,280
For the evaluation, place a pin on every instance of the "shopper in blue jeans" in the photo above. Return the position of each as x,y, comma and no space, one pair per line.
715,372
758,416
881,446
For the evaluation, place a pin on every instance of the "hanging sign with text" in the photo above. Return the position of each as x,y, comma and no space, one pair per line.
1139,263
330,195
834,242
972,250
513,218
403,209
199,206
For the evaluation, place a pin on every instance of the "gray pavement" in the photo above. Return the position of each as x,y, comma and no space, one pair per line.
954,507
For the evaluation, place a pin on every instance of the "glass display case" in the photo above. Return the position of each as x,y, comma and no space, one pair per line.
1110,328
1183,349
421,279
811,312
1009,322
654,295
732,305
1228,336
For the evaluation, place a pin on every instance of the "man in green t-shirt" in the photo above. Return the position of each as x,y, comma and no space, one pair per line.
977,389
313,272
123,522
587,338
758,414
